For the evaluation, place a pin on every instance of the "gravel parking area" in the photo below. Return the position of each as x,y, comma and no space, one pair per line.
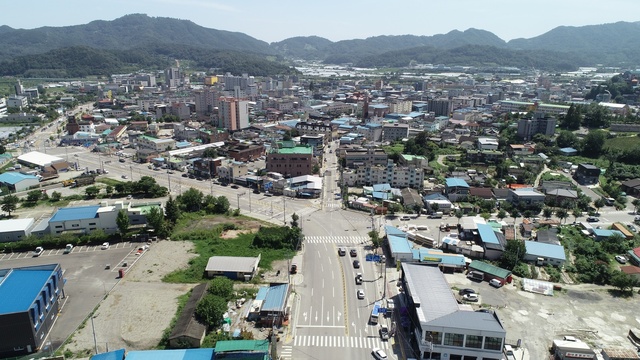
138,310
586,311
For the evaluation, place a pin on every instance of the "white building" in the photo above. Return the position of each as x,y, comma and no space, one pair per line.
144,142
485,143
525,196
15,229
17,101
442,325
395,175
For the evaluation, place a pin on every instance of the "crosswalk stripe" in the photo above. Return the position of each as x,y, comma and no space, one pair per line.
338,341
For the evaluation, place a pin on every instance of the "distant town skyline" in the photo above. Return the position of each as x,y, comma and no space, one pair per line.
337,20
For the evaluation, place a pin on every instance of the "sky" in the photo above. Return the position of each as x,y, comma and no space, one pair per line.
277,20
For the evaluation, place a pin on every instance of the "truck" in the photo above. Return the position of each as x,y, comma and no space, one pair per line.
69,182
475,275
84,180
436,215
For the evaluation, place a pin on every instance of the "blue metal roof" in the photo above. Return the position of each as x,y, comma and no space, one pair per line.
398,244
445,259
487,234
606,233
381,187
392,230
262,293
453,182
111,355
434,196
539,249
15,177
182,354
20,287
276,298
75,213
380,195
372,125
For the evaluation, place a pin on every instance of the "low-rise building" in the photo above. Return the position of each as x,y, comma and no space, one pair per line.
232,267
17,182
395,131
543,254
526,197
456,189
439,324
15,229
587,174
290,160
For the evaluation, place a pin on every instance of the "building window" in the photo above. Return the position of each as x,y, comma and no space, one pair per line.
58,226
473,341
75,225
434,337
453,339
90,224
492,343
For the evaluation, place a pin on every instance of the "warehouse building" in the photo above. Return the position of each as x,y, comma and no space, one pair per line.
30,303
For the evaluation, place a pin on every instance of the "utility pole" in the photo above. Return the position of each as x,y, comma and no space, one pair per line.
284,210
169,178
93,329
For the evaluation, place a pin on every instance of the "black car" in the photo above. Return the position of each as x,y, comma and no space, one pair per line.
235,186
356,264
592,219
256,191
353,252
185,175
121,160
466,291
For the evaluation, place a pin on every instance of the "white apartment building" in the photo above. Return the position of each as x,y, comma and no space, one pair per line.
392,174
17,101
144,142
393,132
230,170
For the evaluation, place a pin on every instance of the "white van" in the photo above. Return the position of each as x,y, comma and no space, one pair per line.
495,283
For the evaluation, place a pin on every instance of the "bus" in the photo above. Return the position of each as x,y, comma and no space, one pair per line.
375,313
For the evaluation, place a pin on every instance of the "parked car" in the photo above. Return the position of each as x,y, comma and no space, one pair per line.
356,264
621,259
234,186
592,219
495,283
470,297
384,332
353,252
122,160
379,354
68,249
125,177
342,251
404,218
268,194
294,268
104,246
632,228
466,291
38,251
360,294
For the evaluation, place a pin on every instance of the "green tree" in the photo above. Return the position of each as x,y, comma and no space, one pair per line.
375,239
222,205
459,215
599,204
576,214
91,191
316,169
615,243
573,118
9,204
593,143
567,139
210,152
294,220
562,214
33,196
515,214
210,310
55,196
191,200
109,190
2,149
122,221
502,214
623,282
155,218
221,286
172,210
513,254
547,212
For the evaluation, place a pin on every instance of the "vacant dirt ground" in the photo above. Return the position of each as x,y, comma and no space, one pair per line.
138,310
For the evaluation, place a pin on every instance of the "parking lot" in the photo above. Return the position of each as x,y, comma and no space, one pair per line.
588,312
88,280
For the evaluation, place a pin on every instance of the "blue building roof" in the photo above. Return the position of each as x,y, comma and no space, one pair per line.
453,182
20,287
487,234
398,244
381,187
276,298
392,230
182,354
262,293
13,177
434,196
568,150
75,213
431,255
373,125
111,355
604,233
381,195
546,250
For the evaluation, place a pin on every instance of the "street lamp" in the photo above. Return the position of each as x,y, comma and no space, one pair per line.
240,194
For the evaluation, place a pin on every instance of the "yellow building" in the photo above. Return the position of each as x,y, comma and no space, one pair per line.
210,80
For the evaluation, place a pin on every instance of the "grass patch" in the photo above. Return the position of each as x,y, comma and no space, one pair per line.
622,143
108,181
548,176
397,148
209,243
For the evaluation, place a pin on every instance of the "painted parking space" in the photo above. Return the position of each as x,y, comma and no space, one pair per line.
55,252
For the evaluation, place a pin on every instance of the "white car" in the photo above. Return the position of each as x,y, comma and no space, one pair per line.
470,297
104,246
360,294
621,259
379,354
38,251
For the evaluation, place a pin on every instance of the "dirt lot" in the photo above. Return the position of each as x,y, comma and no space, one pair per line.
140,308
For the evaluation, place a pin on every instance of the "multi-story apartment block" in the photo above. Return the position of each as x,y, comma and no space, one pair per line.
291,160
173,77
231,81
180,109
440,106
233,113
371,131
152,144
396,175
546,109
17,101
330,132
3,106
206,100
364,157
400,107
393,132
527,128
